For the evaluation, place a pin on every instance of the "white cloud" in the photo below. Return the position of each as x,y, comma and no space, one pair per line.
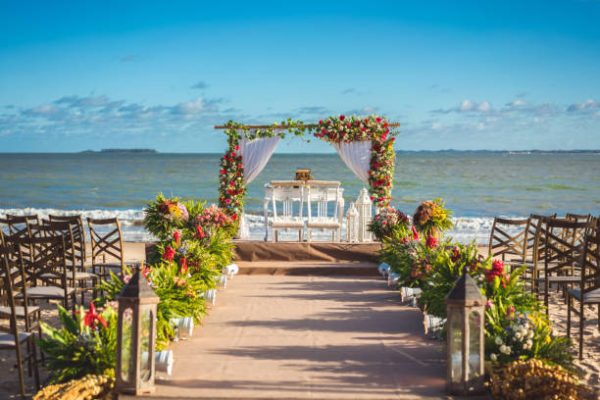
101,115
587,105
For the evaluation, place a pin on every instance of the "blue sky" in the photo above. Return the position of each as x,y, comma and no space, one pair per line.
455,74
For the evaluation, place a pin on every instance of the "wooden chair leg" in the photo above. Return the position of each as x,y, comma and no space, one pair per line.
568,316
581,322
20,369
36,370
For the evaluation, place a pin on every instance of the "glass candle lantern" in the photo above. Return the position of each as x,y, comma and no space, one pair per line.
352,223
365,213
136,336
465,307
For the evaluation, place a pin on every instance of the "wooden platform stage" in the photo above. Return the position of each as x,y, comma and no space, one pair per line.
303,258
254,250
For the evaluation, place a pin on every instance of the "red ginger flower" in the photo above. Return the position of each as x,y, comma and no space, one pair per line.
415,234
200,234
177,237
92,317
342,117
184,266
432,241
169,254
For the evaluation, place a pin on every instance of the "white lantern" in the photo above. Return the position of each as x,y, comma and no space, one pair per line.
365,212
352,223
465,309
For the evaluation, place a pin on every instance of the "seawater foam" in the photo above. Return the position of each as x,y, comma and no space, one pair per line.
466,229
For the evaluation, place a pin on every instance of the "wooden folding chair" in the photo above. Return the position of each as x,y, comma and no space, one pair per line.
77,277
561,255
509,238
20,224
588,292
107,246
534,256
43,262
14,339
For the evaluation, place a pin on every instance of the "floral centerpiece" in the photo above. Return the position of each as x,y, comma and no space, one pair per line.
390,223
214,218
432,218
86,343
345,129
163,215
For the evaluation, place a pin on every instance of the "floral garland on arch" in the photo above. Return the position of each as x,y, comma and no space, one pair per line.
232,189
344,129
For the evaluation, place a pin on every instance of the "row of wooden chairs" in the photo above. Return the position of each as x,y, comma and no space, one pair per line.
559,253
47,260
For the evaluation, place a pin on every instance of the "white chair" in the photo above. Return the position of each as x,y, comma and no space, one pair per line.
287,204
322,197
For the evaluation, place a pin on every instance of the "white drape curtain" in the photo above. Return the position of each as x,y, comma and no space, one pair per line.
357,157
255,154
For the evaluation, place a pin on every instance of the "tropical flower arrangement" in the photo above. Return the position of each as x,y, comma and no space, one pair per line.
390,222
214,218
86,343
432,218
163,215
182,268
516,327
346,129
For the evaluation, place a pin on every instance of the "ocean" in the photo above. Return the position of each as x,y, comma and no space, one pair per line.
476,185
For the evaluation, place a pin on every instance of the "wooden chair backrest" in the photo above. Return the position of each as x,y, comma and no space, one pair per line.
560,251
78,231
504,242
65,229
14,281
590,260
322,197
576,235
291,199
20,224
7,280
47,257
535,237
106,244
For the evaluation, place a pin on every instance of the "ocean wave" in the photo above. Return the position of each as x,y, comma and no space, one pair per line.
466,229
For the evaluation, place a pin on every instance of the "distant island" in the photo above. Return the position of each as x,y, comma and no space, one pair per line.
144,151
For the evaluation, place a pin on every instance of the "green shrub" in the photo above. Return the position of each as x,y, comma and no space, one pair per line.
86,343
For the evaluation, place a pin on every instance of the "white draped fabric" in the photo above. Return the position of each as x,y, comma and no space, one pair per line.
357,157
255,154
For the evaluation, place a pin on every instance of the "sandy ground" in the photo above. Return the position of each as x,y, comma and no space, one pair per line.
589,367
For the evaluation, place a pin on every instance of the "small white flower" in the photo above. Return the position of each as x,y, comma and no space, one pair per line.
499,340
530,335
505,349
493,357
529,343
518,335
